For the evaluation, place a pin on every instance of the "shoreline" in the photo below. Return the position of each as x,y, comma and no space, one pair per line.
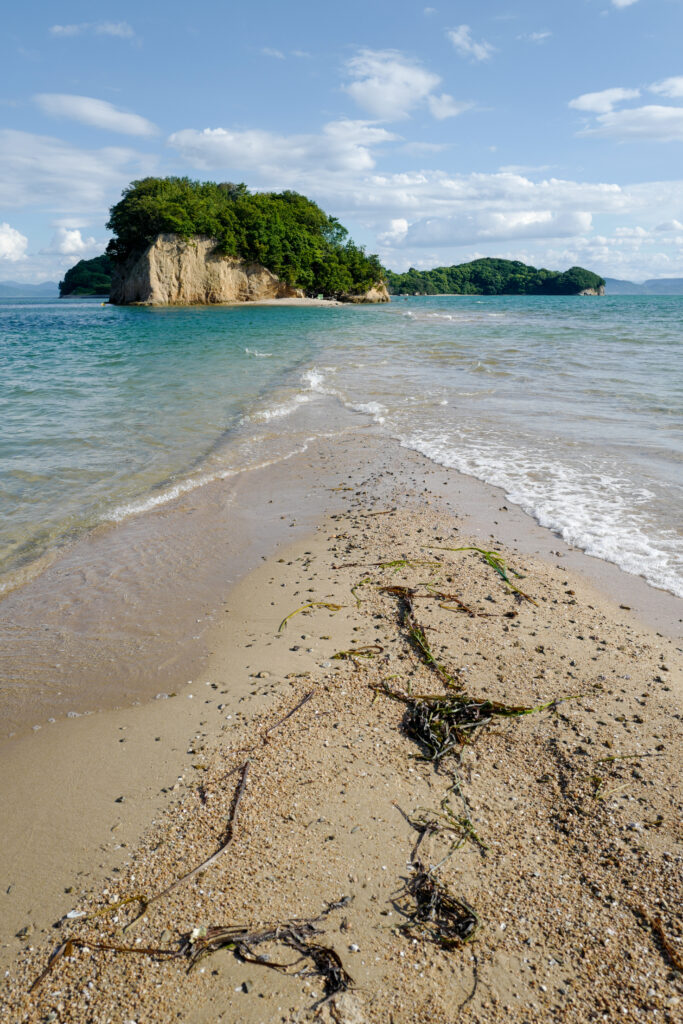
90,625
254,671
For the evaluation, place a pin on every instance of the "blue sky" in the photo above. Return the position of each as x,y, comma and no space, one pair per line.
547,132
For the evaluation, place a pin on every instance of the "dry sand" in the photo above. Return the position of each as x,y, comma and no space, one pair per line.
563,831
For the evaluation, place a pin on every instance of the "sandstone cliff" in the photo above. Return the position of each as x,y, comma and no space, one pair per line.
593,291
174,271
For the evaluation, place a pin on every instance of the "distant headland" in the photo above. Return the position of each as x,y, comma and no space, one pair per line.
495,277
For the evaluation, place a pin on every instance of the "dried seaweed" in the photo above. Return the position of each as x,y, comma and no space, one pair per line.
447,920
655,923
193,946
362,583
368,651
416,635
311,604
214,856
498,564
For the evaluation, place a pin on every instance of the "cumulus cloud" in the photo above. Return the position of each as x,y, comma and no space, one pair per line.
387,84
638,124
466,46
390,86
444,106
670,225
13,244
342,146
98,113
623,3
494,226
69,242
670,87
38,170
118,29
604,101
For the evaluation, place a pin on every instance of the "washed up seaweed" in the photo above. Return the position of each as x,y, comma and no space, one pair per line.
305,607
441,723
295,934
498,564
448,920
368,651
357,586
418,639
227,839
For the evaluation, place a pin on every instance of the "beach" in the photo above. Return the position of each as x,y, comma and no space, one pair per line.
554,833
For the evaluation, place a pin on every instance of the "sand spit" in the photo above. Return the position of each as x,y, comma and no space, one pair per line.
558,829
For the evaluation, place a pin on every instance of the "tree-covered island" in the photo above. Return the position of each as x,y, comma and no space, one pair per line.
88,277
283,231
493,277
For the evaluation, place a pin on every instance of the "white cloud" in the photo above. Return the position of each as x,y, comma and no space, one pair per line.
387,84
670,225
444,106
98,113
670,87
41,171
70,242
13,244
603,102
494,226
267,51
466,46
118,29
649,124
535,37
343,146
623,3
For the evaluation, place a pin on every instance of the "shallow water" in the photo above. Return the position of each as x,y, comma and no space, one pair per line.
572,405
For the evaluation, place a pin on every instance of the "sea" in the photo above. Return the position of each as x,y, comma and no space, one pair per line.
572,405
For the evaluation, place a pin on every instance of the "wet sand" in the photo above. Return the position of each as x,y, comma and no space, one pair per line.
573,847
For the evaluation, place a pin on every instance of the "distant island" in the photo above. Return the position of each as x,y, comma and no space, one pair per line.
20,290
495,277
655,286
88,277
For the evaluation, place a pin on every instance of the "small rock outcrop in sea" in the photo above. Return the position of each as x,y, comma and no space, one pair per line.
175,271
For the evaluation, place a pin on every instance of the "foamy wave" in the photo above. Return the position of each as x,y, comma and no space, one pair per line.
258,355
597,511
276,412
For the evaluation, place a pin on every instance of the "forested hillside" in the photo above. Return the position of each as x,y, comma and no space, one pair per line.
88,277
492,277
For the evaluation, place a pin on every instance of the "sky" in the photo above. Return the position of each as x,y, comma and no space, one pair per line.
546,132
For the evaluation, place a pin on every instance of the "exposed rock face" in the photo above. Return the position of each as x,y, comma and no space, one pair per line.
378,293
175,271
593,291
178,271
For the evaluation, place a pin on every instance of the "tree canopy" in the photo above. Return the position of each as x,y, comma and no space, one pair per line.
492,277
88,277
284,231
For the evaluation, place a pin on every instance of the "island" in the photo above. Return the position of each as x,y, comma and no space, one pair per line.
181,242
495,277
88,277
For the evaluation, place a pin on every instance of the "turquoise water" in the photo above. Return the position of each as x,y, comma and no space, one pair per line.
572,405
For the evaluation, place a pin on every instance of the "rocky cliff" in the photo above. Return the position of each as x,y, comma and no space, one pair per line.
174,271
593,291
